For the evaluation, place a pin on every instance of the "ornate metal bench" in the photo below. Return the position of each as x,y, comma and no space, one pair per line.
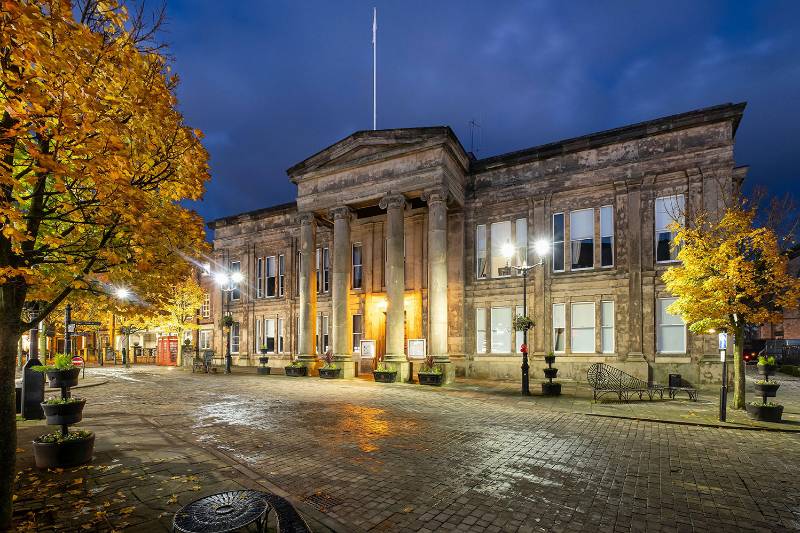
605,379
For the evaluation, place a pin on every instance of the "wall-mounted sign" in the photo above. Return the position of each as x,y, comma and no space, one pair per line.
417,348
367,349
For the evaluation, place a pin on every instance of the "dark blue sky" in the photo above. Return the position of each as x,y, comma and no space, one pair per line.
272,82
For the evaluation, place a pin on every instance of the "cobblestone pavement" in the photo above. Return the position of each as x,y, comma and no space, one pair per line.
410,458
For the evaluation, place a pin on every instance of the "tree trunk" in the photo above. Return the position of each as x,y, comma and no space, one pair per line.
738,369
9,337
179,360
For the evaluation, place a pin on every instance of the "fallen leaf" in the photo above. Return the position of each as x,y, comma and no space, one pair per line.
127,510
173,499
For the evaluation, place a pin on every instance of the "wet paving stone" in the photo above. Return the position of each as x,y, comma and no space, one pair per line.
406,458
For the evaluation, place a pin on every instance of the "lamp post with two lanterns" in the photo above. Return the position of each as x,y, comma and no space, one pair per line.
228,282
542,248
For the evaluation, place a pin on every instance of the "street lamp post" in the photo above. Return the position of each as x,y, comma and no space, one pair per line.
541,247
228,282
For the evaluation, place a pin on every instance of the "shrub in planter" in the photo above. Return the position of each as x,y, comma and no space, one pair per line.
58,450
295,369
766,388
61,412
63,448
765,412
62,373
550,388
382,374
329,370
430,373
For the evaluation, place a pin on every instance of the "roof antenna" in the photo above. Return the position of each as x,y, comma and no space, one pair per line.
475,134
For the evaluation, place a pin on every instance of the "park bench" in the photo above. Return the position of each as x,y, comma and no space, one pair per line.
605,379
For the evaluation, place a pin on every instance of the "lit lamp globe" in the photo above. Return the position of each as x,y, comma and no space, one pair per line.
237,277
507,250
541,247
122,293
221,278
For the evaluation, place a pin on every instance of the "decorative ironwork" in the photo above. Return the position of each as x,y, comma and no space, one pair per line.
605,379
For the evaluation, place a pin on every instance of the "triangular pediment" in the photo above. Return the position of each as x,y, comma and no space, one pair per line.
368,146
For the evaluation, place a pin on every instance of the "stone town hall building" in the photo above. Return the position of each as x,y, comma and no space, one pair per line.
401,234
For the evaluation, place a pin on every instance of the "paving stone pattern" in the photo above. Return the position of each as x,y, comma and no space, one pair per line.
409,458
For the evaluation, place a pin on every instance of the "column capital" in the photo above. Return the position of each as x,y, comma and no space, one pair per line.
436,195
306,218
341,212
392,200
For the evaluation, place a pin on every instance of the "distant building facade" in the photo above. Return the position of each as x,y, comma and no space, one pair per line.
400,235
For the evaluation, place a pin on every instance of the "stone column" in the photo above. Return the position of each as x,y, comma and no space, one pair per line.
340,290
395,285
437,281
308,293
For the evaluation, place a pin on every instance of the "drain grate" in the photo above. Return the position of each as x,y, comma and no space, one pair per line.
322,501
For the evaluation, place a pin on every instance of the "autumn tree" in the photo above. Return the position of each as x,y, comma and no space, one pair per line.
179,310
94,162
731,275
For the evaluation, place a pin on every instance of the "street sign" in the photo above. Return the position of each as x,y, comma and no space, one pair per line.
723,341
87,323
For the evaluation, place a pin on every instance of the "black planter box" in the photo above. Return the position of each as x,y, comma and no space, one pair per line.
296,371
384,376
764,413
263,360
263,370
550,372
769,390
551,389
64,414
263,350
60,455
428,378
63,378
767,370
549,359
330,373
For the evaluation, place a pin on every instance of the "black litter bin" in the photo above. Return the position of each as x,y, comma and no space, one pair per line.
675,380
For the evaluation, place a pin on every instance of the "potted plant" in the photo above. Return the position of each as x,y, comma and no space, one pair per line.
766,411
263,349
66,411
384,374
263,369
63,448
329,369
295,369
550,387
430,373
522,323
227,321
62,373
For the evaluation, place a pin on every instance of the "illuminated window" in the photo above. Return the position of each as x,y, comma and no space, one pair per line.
668,209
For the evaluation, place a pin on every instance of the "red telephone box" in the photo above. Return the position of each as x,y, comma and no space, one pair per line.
167,353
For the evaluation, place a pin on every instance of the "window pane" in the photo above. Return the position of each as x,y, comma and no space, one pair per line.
671,339
501,238
357,266
559,321
606,236
581,224
665,317
583,340
501,330
607,322
583,315
480,251
669,209
522,241
582,254
558,242
480,329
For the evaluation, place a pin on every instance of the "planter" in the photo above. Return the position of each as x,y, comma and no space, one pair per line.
330,373
385,376
429,378
550,373
263,370
263,360
551,389
549,359
295,371
767,370
765,413
263,350
64,454
63,378
767,389
63,414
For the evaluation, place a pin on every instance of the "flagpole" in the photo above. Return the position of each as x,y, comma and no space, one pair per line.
374,68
